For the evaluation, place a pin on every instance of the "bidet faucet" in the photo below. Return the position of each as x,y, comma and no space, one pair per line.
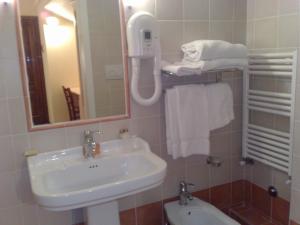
90,145
184,194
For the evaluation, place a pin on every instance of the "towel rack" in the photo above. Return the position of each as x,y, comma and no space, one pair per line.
264,144
218,73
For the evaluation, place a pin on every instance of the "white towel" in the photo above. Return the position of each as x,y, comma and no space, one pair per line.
187,121
199,50
172,131
220,105
197,68
192,111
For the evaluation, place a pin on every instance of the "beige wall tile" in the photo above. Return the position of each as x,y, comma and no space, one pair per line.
288,6
197,174
262,175
282,123
147,128
17,115
46,217
220,145
279,181
238,115
45,141
7,159
128,202
8,48
250,34
296,172
11,216
195,30
29,214
295,205
20,144
297,100
8,190
171,36
263,83
261,119
288,31
138,110
237,171
146,5
169,9
221,175
222,9
4,119
171,182
239,32
150,196
236,143
23,186
266,8
112,129
265,33
221,30
196,9
240,11
10,75
250,9
296,150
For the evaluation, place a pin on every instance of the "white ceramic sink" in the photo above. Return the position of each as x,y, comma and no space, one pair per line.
64,180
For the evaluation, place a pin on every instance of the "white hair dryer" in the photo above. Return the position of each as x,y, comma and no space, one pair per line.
143,43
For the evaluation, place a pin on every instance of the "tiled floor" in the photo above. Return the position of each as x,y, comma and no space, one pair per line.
249,215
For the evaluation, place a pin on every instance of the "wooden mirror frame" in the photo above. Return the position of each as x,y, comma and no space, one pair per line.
31,127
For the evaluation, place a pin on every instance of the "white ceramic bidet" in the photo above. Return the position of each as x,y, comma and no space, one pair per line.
197,212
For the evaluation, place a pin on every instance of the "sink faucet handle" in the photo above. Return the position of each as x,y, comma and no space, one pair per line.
184,186
191,184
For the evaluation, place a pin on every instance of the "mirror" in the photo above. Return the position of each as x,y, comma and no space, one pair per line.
74,61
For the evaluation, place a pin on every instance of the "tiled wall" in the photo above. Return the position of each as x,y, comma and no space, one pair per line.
273,25
180,21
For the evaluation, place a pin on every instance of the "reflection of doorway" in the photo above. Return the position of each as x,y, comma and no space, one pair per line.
35,70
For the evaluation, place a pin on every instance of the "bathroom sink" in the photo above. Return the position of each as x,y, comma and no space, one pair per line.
64,180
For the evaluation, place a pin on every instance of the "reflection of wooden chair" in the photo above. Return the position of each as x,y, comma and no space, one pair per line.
73,103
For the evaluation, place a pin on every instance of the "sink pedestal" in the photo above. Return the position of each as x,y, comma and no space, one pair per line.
104,214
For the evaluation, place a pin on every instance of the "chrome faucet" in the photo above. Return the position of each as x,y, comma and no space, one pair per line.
90,145
184,195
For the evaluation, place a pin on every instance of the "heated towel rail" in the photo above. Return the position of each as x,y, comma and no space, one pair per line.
267,144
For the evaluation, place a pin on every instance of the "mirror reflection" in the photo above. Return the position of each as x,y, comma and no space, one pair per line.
74,59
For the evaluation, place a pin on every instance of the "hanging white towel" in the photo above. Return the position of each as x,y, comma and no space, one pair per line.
187,121
200,50
192,111
220,105
172,132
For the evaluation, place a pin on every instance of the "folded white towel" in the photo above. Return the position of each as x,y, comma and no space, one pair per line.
197,68
212,49
220,105
187,121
